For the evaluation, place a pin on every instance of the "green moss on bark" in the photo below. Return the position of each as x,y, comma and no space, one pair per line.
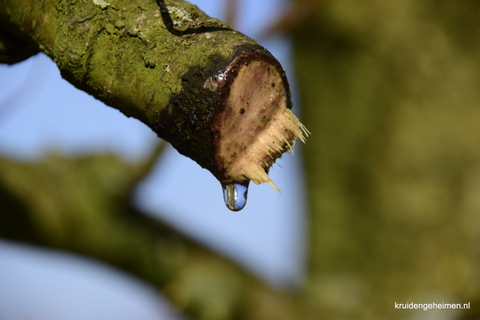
152,61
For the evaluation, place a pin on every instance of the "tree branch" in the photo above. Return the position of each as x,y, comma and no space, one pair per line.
215,94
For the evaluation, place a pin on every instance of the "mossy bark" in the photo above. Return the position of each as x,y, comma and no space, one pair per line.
165,63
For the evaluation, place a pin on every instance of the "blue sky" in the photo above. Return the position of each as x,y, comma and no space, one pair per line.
40,112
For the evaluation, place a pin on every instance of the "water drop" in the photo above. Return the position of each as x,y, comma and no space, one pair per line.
235,195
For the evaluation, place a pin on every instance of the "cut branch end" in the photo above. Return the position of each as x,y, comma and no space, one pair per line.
255,124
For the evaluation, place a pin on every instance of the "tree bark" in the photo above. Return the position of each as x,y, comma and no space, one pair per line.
171,66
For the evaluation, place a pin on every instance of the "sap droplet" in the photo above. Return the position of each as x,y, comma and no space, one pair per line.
235,195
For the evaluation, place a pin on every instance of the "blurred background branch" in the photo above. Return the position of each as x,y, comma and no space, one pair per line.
83,205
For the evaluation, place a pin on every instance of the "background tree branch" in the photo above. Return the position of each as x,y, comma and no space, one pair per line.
84,206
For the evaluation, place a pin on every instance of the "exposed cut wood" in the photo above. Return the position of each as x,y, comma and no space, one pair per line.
256,125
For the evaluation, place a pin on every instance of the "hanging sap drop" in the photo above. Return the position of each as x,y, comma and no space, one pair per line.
235,195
